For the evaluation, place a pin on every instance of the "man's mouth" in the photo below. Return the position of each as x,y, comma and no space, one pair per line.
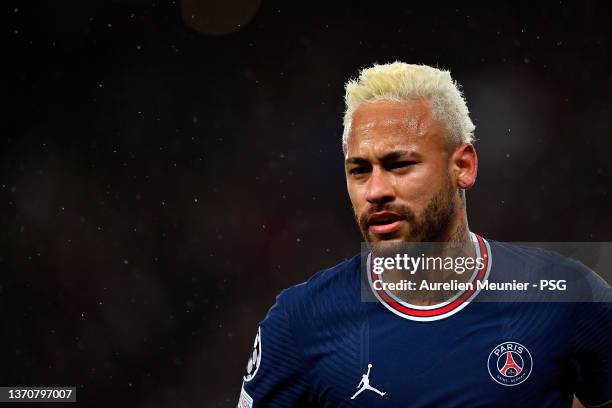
385,222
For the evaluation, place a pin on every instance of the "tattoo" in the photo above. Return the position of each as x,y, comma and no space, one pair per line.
461,193
459,236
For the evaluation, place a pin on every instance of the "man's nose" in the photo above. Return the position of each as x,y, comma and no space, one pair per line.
380,187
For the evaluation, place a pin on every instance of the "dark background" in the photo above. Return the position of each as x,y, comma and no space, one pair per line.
168,168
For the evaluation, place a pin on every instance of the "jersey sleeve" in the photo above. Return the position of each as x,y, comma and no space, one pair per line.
275,373
593,348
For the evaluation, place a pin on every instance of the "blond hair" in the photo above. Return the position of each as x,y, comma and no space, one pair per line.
399,81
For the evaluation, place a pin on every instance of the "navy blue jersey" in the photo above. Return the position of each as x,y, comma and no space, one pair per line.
322,345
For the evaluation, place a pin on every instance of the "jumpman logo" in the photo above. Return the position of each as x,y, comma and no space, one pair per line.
510,369
365,384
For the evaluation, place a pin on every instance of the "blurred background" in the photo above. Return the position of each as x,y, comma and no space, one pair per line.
167,167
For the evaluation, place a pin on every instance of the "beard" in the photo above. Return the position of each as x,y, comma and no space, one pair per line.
428,226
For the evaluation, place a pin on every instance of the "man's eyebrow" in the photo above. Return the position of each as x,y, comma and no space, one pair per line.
394,155
356,160
401,154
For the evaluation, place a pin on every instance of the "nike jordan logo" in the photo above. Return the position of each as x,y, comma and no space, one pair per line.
365,385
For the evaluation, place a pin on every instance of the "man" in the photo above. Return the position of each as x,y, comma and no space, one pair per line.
409,158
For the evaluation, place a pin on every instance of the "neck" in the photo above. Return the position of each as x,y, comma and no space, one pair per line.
455,243
458,237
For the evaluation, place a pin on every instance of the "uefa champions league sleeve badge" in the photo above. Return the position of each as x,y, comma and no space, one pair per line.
254,358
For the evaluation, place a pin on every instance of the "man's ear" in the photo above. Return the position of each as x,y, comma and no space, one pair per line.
464,164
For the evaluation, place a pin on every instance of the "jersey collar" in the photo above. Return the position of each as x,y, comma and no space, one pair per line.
441,310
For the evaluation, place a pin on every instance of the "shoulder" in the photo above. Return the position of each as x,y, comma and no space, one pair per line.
535,258
527,253
533,263
329,284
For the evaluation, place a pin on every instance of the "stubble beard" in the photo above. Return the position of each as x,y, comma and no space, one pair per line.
430,227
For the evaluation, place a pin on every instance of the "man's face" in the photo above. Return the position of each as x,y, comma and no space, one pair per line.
397,172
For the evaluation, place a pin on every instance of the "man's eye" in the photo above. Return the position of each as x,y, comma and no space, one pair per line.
401,164
359,170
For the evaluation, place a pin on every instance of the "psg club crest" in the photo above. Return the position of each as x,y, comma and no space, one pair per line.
254,358
510,363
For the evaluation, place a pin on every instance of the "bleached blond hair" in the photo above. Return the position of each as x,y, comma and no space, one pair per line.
401,82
